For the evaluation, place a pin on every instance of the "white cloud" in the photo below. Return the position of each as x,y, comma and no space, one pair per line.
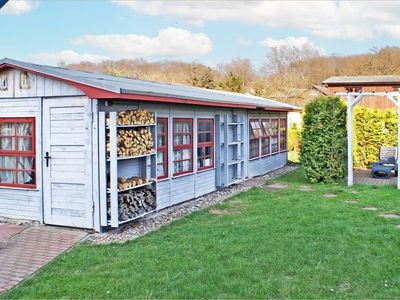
357,20
245,42
67,56
170,42
292,42
18,7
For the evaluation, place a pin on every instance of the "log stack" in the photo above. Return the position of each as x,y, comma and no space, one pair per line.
133,142
136,202
134,117
126,183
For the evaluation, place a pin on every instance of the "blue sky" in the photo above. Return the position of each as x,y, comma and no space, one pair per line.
47,31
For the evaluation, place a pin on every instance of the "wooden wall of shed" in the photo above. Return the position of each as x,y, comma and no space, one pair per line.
174,190
20,203
370,101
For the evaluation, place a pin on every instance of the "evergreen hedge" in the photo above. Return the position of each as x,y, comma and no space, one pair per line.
324,140
372,129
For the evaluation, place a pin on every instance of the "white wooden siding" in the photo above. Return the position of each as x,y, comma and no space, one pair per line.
39,87
23,203
266,164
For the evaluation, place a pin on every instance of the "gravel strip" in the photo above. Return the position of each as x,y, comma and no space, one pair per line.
165,216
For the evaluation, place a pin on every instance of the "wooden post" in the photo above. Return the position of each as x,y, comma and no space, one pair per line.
349,141
398,139
114,222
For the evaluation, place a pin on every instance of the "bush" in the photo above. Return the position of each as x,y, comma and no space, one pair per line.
294,139
372,128
324,140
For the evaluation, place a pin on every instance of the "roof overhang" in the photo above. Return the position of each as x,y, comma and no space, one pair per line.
98,93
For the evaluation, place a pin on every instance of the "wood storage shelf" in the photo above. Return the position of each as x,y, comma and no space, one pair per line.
130,163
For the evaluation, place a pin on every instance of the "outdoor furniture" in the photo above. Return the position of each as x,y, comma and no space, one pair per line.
387,163
381,171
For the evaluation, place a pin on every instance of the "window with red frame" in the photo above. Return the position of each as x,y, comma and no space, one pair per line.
283,138
256,132
205,144
274,135
265,141
183,146
17,152
162,148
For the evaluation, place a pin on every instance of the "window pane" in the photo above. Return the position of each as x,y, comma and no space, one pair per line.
7,143
178,140
202,126
8,177
209,126
187,139
186,127
160,127
204,151
25,162
254,150
161,157
161,170
187,154
161,140
177,155
26,177
24,144
177,127
6,129
8,162
23,128
205,162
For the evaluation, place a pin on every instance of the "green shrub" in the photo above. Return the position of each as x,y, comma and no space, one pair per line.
324,140
294,139
372,128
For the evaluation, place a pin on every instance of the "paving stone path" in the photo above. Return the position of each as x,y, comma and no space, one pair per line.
329,195
389,215
306,188
24,250
371,208
351,201
276,186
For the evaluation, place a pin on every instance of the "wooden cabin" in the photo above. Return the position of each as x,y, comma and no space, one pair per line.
380,83
96,151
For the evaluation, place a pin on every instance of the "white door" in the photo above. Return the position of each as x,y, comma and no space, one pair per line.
67,162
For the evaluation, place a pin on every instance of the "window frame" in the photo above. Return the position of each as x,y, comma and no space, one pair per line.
257,139
284,121
20,153
206,144
277,119
163,148
183,146
267,137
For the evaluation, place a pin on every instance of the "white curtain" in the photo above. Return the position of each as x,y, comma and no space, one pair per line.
12,162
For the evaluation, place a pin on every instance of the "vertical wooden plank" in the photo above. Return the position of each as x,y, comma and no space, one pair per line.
349,141
226,156
102,169
114,222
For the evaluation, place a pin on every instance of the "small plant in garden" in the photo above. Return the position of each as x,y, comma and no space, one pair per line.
324,140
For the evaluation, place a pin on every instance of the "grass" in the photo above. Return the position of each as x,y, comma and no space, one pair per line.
259,244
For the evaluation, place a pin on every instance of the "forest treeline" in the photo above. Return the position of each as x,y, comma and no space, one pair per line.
287,75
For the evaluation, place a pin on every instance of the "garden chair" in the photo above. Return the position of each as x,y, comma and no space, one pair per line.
387,163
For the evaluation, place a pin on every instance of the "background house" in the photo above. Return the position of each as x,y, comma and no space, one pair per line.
382,83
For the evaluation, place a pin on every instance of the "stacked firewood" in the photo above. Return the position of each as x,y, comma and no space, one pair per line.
126,183
136,202
133,142
135,117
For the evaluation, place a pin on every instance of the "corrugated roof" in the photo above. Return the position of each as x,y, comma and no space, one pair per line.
123,85
381,79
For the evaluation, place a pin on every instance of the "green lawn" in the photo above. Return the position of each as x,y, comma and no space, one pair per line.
259,244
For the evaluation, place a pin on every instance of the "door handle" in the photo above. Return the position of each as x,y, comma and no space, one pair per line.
47,157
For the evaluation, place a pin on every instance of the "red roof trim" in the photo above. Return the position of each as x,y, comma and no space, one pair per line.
97,93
